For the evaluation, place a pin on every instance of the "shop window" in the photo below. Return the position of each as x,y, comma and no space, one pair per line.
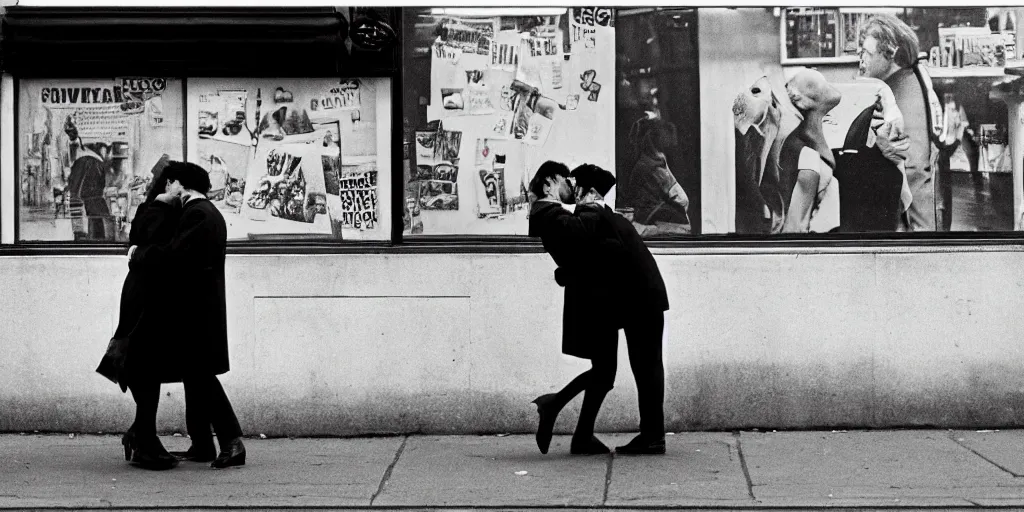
490,95
86,149
295,158
956,174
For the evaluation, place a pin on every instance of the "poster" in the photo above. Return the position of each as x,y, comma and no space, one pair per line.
280,149
437,169
490,158
358,195
86,152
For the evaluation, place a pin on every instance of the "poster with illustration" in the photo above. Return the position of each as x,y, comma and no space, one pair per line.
279,148
526,101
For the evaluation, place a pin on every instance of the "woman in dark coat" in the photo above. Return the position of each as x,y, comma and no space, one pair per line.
145,298
588,328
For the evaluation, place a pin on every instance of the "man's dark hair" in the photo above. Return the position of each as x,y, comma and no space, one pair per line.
592,176
548,170
190,175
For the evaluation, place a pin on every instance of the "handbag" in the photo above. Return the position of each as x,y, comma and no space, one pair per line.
112,363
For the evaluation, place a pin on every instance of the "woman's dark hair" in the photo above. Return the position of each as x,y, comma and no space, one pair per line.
547,170
190,175
158,183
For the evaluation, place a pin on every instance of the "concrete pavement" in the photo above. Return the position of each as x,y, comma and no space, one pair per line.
909,469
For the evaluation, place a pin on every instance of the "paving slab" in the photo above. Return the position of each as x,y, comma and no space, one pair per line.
1004,448
922,468
699,470
467,471
90,471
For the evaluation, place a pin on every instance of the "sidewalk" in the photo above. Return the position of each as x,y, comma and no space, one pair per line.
879,469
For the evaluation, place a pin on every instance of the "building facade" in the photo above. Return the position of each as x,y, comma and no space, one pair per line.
372,163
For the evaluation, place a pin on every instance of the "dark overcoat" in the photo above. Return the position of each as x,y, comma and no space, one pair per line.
145,298
195,258
637,284
581,255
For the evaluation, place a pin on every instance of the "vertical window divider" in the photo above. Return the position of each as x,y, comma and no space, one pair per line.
184,121
398,139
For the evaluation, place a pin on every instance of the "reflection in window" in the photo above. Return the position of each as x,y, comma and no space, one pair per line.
86,151
657,100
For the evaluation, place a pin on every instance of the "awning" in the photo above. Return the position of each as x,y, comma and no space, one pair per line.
100,42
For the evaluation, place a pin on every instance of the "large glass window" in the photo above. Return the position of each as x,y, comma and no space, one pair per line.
295,158
489,97
86,149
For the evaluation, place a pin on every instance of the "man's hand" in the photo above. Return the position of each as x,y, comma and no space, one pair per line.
889,112
131,252
895,148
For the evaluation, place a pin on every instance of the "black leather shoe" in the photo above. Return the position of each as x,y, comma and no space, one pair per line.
196,455
590,446
231,455
149,453
547,420
641,445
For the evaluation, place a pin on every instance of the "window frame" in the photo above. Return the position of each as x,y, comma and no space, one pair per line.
10,192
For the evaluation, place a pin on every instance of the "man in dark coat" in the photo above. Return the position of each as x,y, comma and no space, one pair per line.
586,330
196,254
638,292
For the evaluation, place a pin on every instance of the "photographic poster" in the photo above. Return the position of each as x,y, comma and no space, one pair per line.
467,36
222,116
438,194
328,141
521,104
227,165
85,152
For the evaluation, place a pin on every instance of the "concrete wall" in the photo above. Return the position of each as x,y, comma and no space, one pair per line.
354,344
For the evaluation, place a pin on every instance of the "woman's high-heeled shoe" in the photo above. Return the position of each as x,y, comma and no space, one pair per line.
545,403
128,440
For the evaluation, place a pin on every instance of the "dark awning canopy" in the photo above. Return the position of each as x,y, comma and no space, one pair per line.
279,42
